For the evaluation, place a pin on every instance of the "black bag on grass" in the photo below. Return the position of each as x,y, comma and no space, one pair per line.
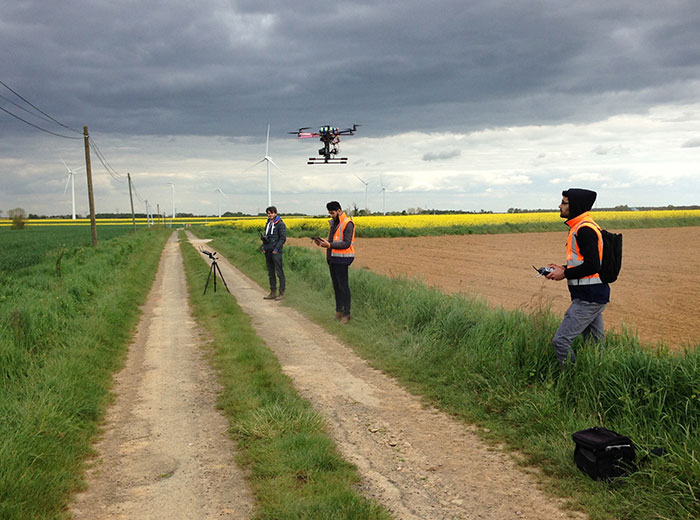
603,454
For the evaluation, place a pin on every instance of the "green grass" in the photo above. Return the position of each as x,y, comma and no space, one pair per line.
61,339
496,368
294,468
20,248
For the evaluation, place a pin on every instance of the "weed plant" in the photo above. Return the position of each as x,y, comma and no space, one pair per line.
496,368
295,470
61,338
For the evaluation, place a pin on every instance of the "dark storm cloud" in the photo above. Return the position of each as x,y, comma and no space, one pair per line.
229,68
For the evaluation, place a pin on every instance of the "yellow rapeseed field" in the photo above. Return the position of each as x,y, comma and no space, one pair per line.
460,220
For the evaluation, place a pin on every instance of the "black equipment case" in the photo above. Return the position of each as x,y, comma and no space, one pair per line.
603,453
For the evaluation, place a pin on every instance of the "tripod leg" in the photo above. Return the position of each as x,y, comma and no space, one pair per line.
209,276
222,278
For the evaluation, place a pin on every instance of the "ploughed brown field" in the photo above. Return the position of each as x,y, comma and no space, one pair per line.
657,295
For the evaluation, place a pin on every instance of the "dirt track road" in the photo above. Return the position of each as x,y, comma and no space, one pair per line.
415,460
165,453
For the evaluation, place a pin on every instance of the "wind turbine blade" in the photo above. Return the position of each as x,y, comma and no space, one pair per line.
273,163
64,164
77,169
254,165
67,181
267,141
361,180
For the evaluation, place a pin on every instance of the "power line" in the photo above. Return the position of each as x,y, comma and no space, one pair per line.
37,126
38,109
25,109
136,192
112,172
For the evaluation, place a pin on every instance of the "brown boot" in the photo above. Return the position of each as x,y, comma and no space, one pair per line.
271,296
345,319
280,296
338,315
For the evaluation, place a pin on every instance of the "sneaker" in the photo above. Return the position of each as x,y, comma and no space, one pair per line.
271,296
345,319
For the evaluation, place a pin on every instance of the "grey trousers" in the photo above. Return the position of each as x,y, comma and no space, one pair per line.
580,318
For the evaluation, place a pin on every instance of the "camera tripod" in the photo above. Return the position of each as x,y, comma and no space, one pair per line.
213,269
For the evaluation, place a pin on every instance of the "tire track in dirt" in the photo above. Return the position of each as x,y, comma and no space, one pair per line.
415,460
165,452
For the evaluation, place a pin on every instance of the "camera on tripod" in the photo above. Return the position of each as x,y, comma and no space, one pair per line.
214,268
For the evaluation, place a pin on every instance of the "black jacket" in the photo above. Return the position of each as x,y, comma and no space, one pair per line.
274,236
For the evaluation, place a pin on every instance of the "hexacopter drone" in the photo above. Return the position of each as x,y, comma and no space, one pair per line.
330,137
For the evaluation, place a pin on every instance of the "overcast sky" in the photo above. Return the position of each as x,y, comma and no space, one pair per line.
463,104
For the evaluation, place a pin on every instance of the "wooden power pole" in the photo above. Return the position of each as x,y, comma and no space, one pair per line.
131,198
91,197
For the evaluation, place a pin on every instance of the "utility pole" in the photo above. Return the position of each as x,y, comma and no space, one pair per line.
131,198
91,197
172,221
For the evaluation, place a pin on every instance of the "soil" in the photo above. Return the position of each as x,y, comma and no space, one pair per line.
418,462
656,295
165,453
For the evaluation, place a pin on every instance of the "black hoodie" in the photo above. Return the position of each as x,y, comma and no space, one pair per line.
580,201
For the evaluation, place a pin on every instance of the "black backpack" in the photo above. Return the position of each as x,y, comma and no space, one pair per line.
612,256
603,454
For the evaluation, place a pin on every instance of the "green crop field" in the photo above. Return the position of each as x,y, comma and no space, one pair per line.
20,248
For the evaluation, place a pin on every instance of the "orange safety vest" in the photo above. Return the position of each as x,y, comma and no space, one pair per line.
338,236
573,255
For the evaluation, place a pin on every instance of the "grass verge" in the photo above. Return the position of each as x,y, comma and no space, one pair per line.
294,468
496,368
63,332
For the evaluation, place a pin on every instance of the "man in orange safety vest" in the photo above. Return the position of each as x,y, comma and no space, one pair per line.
340,252
584,255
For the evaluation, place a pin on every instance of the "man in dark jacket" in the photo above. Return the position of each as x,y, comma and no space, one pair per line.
340,252
273,241
584,255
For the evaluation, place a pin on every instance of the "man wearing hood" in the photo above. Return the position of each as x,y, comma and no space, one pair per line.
584,255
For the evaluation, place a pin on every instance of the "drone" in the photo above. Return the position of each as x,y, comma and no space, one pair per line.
330,137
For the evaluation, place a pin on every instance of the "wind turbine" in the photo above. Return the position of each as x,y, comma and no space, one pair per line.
71,179
381,181
366,184
219,197
269,161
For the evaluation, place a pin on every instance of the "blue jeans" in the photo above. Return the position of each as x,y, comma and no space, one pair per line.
580,318
275,270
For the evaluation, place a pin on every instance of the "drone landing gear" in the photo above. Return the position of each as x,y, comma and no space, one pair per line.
327,160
